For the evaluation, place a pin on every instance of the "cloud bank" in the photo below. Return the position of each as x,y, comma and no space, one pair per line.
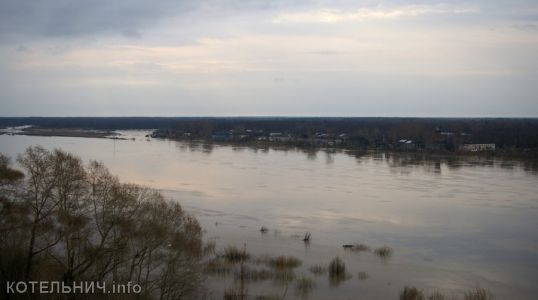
209,57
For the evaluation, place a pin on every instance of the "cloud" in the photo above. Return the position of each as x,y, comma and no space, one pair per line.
68,19
363,14
61,18
264,57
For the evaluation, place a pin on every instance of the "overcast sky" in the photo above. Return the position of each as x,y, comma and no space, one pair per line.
283,57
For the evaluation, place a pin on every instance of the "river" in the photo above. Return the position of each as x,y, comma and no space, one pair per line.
453,222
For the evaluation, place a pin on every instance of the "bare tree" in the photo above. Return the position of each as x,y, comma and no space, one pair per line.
73,210
42,179
13,223
81,223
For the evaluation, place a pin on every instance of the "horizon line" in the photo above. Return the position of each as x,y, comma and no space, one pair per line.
281,116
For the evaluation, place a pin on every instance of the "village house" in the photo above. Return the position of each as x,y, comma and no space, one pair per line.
278,137
221,136
477,147
407,144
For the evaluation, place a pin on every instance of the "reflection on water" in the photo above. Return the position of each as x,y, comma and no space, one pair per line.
452,222
427,161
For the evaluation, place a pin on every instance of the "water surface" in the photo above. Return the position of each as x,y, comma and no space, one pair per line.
454,222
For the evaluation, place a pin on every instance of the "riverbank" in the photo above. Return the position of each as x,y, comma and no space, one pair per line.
308,148
63,132
510,153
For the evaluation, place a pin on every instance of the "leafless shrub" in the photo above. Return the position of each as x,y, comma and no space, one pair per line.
478,293
254,275
304,286
235,255
337,272
384,252
436,296
234,294
268,297
337,267
411,293
362,276
285,262
217,266
307,237
209,248
284,276
357,247
318,270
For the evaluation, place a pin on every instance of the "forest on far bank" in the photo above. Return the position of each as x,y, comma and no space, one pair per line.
508,134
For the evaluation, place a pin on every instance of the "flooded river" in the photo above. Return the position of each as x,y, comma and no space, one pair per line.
453,223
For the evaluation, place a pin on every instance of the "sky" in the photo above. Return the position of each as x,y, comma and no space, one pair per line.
475,58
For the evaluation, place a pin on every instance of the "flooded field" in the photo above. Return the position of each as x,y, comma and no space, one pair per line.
445,224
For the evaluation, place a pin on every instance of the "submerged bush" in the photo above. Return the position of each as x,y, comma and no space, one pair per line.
268,297
436,296
285,262
318,270
357,247
235,255
284,276
478,294
411,293
253,275
209,248
384,252
362,276
337,272
234,293
337,267
217,266
304,286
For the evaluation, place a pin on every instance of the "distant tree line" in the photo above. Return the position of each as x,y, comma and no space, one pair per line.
505,133
379,133
61,220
